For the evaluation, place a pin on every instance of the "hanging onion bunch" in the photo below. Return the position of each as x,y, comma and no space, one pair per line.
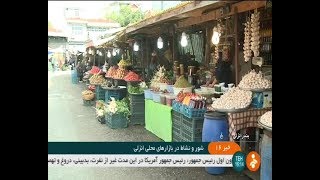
255,37
247,40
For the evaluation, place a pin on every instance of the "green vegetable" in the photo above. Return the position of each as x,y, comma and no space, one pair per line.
182,82
135,89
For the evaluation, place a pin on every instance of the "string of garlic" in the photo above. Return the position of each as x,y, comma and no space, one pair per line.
246,45
255,37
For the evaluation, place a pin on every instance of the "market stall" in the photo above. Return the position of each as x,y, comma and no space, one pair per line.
195,87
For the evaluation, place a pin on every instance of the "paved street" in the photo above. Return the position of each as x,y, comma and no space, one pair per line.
69,120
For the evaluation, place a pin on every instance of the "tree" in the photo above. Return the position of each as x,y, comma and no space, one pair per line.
126,15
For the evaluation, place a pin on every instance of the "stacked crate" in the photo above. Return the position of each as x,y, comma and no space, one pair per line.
186,129
137,109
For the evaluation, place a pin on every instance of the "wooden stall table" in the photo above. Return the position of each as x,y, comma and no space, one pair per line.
242,120
158,120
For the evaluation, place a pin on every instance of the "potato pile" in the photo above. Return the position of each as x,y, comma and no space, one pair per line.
254,80
111,71
235,98
266,118
121,73
97,79
87,95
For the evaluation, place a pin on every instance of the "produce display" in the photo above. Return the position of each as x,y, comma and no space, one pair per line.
135,89
156,79
254,80
111,71
118,106
95,70
247,39
255,37
266,119
132,76
123,63
92,87
97,79
121,73
235,98
192,100
87,95
100,108
182,82
143,85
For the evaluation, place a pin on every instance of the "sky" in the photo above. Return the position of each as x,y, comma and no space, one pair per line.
90,9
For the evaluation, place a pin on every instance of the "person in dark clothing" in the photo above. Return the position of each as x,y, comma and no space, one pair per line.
81,70
223,72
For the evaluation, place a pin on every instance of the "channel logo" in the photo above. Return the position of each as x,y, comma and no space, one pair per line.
240,161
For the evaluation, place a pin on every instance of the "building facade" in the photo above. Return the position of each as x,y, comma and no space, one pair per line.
80,30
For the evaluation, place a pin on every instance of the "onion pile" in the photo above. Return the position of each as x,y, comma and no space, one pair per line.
235,98
254,80
112,71
255,37
97,79
266,118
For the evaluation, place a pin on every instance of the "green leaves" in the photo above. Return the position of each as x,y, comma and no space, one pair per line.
126,15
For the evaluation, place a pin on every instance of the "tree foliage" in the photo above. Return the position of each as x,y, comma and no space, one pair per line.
126,15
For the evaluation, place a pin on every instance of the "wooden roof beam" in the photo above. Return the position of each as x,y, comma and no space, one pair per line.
172,13
242,6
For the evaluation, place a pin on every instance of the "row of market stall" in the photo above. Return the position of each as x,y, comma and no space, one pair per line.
212,83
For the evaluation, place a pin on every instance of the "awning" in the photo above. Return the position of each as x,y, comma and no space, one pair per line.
102,41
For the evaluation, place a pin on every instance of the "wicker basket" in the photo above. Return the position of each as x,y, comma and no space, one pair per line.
88,96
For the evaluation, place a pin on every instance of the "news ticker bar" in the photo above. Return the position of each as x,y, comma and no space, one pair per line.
139,160
215,148
128,147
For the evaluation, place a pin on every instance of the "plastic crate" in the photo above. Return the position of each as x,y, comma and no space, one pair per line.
120,82
136,98
88,102
100,92
176,138
156,97
137,119
191,129
177,106
176,126
101,120
193,113
186,137
257,100
148,94
137,110
176,135
117,94
116,121
192,124
74,77
176,117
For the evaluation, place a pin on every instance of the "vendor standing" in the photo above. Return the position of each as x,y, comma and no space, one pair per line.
223,73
